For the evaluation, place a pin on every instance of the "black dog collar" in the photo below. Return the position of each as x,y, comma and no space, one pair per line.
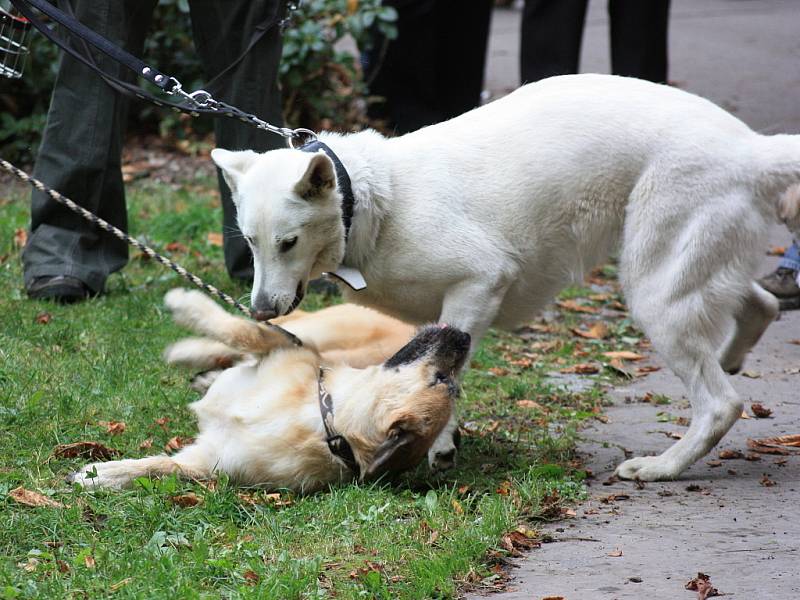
337,443
346,189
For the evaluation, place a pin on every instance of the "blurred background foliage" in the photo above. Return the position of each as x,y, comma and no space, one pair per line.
321,78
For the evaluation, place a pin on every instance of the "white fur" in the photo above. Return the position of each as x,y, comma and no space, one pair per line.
481,220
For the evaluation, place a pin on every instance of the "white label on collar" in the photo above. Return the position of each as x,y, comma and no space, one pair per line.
352,277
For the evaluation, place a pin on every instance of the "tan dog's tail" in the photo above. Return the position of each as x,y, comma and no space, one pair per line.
780,181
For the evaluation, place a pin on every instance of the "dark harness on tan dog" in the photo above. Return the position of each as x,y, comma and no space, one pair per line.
337,443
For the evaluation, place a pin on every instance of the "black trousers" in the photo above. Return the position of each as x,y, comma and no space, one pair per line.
552,31
433,71
81,149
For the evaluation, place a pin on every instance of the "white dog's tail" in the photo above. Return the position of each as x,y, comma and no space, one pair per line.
780,181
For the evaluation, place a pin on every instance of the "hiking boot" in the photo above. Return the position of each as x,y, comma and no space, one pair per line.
59,288
782,283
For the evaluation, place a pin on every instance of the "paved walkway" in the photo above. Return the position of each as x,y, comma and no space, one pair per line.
744,55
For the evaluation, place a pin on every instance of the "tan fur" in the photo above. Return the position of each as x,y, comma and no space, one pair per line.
260,421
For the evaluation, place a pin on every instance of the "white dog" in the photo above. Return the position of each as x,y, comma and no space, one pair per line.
481,220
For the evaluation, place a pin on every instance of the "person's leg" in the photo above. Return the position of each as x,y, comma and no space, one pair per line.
222,30
461,38
80,157
552,31
784,282
403,71
639,38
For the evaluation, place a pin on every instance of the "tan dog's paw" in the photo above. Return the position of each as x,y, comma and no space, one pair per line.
101,475
189,308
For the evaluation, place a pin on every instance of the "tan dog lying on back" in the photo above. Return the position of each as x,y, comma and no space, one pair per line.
260,420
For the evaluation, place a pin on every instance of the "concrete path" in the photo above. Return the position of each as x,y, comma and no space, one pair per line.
744,55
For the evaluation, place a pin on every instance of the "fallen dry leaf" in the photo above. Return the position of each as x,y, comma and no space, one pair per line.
176,247
251,577
760,411
775,445
516,541
148,443
730,454
714,463
619,367
647,369
776,251
186,500
90,450
459,510
89,561
177,443
624,355
702,585
498,371
113,427
529,404
582,368
20,238
767,482
751,374
34,499
597,331
162,422
615,553
214,238
576,307
43,318
796,342
744,415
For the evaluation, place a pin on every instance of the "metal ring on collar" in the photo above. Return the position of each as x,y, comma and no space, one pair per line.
300,137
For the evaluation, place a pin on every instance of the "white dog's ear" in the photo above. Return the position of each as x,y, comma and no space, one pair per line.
233,165
319,178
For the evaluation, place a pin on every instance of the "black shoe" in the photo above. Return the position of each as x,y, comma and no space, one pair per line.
782,283
59,288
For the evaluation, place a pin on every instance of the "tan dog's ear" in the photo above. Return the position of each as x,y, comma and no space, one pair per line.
398,453
319,178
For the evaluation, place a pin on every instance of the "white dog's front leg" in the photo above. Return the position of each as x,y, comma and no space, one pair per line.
470,307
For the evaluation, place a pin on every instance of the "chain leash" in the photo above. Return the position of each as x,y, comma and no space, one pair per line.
145,249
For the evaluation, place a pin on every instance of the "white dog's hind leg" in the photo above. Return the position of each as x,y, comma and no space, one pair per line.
758,310
682,330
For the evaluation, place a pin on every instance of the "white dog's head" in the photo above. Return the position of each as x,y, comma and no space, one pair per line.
289,211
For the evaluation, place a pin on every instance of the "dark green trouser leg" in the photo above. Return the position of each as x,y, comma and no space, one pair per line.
222,30
80,156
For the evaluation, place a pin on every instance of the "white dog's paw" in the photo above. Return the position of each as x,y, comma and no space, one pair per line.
648,468
101,475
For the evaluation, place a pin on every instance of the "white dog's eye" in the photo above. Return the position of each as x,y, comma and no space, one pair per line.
288,244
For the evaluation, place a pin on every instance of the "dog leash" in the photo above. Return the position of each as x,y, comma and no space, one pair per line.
144,248
192,103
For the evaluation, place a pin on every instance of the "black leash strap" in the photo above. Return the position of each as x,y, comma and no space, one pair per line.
337,444
153,75
194,104
342,178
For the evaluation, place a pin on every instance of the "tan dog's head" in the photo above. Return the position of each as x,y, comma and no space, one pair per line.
392,413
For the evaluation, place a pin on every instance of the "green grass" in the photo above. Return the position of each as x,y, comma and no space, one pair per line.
98,361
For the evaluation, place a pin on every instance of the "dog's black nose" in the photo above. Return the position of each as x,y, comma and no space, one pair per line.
264,315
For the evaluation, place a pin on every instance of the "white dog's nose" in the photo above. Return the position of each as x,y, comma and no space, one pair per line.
264,315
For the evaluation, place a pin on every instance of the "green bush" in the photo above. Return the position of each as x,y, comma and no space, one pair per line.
322,83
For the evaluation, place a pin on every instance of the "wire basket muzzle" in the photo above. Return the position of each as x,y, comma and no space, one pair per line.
15,32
